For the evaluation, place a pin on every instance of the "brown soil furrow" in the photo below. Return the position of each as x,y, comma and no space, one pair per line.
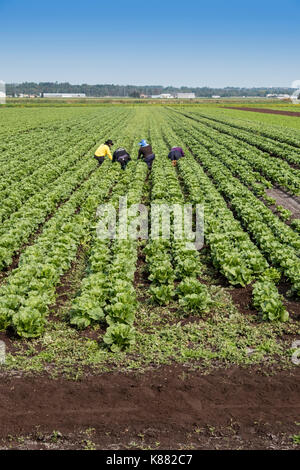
266,111
292,203
171,401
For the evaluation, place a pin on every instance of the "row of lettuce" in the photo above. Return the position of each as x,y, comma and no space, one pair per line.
30,211
27,172
30,290
173,262
107,293
278,244
27,123
267,144
281,134
224,141
246,241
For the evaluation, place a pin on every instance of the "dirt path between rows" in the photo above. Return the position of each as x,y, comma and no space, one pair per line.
266,111
285,200
169,408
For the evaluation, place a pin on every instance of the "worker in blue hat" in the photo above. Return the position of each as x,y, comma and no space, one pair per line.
146,152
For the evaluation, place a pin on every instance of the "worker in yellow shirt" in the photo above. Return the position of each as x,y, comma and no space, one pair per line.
104,150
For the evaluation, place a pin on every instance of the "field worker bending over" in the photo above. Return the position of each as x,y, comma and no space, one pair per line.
122,156
103,150
146,151
175,154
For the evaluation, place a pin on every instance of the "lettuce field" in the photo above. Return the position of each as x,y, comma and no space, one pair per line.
75,306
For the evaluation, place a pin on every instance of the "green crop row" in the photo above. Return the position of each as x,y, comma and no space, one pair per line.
278,149
16,230
107,294
41,180
172,259
280,254
272,168
285,136
232,252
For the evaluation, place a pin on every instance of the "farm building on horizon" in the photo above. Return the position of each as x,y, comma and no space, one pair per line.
63,95
2,92
162,96
166,96
278,96
175,95
184,95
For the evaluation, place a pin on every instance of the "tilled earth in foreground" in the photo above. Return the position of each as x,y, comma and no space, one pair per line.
165,408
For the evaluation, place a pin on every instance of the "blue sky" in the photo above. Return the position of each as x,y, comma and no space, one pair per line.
193,43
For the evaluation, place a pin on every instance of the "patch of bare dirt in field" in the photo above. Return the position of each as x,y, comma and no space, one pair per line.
266,111
292,304
292,203
242,298
11,341
167,408
141,280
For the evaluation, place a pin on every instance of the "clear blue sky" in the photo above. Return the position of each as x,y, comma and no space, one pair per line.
167,42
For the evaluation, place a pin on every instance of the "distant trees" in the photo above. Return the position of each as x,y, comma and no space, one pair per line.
134,94
32,88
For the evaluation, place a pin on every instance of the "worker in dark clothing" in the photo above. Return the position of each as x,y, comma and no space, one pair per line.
122,156
175,154
146,152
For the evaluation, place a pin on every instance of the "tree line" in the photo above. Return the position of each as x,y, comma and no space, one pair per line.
31,88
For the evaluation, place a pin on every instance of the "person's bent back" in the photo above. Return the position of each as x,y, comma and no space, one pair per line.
175,154
122,156
103,151
146,152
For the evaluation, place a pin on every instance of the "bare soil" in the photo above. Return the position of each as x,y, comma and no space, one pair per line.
285,200
266,111
242,298
168,408
292,304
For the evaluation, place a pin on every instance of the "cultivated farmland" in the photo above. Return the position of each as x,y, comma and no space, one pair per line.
75,306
